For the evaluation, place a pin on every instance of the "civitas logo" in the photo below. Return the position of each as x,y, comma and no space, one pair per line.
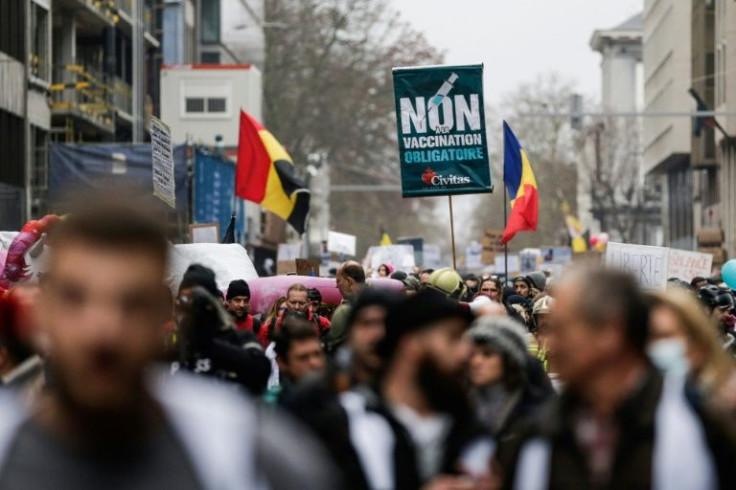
430,177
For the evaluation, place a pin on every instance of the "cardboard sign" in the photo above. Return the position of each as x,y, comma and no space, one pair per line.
307,267
205,233
689,265
341,243
441,130
647,264
491,246
284,267
162,156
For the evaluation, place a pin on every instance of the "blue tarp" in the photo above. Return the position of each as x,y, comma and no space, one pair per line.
214,188
75,166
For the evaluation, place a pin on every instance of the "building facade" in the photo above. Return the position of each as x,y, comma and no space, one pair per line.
617,141
667,140
71,71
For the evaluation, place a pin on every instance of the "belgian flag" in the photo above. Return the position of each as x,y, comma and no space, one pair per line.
265,174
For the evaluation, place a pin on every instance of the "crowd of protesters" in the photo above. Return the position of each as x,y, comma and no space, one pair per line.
577,381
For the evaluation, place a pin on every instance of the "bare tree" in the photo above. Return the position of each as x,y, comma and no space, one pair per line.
549,144
328,91
609,157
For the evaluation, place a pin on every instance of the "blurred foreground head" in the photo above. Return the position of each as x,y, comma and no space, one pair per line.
599,321
104,302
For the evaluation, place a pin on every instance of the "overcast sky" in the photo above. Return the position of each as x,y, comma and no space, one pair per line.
519,39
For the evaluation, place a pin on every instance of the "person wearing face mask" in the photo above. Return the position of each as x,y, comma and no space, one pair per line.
719,304
683,342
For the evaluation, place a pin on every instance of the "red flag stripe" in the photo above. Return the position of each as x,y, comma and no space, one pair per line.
251,173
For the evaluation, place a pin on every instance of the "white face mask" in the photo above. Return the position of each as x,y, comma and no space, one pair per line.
669,356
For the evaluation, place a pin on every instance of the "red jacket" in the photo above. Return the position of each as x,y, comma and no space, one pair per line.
250,324
321,324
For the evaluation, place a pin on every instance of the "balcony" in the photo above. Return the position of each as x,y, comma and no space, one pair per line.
82,95
122,99
125,14
94,15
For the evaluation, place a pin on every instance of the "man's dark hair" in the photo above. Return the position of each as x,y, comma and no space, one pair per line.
354,272
292,330
426,271
606,294
111,223
697,280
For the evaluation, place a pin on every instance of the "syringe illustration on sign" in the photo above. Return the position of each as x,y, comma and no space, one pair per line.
437,99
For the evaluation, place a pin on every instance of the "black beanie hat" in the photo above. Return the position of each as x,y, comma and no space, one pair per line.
199,275
417,312
399,275
238,287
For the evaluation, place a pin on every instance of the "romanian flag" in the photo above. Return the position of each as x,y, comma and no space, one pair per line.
522,186
265,174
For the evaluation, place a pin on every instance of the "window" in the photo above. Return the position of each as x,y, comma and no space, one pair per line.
206,98
217,104
39,54
212,57
195,105
210,21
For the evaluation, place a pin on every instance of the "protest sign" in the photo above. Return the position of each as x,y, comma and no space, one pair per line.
432,255
514,265
400,256
284,267
473,255
530,259
341,243
647,264
162,156
687,265
288,251
491,242
205,233
441,130
307,267
417,243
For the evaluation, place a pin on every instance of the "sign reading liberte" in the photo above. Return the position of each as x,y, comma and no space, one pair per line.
441,129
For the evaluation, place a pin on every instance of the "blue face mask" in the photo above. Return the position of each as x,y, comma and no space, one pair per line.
669,356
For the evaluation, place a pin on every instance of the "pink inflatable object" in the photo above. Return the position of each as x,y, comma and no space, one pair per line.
265,290
15,268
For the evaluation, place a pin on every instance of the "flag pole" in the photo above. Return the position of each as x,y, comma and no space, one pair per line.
505,245
452,233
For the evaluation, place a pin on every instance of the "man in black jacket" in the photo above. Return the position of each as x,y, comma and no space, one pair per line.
412,425
208,343
619,424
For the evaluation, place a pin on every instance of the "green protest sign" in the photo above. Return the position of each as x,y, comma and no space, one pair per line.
441,129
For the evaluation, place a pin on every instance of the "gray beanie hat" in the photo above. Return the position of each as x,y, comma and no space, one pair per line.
503,334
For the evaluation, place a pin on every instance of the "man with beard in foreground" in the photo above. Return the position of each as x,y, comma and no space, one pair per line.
108,419
422,388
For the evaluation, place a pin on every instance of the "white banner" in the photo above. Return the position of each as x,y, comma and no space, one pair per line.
341,243
647,264
162,154
687,265
289,251
399,256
